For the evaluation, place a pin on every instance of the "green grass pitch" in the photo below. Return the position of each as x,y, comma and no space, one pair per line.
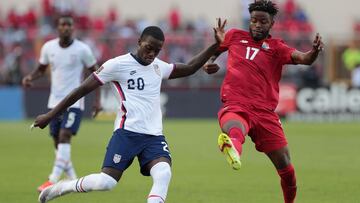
326,158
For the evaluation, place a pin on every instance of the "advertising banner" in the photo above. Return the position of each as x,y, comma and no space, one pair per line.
337,102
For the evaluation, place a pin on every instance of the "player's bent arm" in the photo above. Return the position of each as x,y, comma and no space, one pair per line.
96,105
87,86
309,57
210,67
183,70
215,56
35,74
306,58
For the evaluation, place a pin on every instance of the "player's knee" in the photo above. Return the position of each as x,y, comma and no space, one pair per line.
236,132
161,171
106,182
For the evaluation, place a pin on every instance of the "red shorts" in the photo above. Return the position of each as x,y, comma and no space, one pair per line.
263,126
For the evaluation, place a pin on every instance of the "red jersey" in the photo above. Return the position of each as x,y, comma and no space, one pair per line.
253,69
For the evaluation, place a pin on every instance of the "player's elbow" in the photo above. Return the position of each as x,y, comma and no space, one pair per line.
308,63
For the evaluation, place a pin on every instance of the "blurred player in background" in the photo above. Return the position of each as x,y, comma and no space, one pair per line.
67,58
250,92
136,80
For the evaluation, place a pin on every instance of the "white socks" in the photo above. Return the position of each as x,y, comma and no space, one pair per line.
161,174
70,171
98,182
62,163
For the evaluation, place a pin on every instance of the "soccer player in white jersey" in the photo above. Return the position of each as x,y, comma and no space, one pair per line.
136,80
67,57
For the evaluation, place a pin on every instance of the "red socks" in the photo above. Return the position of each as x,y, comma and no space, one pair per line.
288,183
237,138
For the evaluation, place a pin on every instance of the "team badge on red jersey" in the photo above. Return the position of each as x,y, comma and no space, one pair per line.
265,45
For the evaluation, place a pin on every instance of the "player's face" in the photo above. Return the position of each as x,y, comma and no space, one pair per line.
149,48
260,24
65,27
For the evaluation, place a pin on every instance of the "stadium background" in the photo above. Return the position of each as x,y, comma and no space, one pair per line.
321,109
110,28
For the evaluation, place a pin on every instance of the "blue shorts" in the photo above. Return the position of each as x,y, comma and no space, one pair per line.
70,119
125,145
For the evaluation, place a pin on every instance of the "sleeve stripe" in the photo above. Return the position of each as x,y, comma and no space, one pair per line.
174,67
97,78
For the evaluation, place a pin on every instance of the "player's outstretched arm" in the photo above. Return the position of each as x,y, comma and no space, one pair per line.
211,67
183,70
87,86
97,105
35,74
309,57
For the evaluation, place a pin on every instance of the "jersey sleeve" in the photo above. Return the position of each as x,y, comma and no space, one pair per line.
165,69
224,46
88,57
285,52
44,56
106,73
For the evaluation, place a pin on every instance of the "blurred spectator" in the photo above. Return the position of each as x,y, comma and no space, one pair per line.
108,36
290,8
64,7
12,63
47,11
30,19
174,18
13,19
357,27
351,59
245,13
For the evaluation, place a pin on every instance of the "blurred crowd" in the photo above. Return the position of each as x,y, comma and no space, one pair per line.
109,35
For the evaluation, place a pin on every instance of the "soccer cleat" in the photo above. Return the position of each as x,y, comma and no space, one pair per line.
44,185
52,192
227,147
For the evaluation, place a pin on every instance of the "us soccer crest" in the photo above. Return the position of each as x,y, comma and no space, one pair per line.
117,158
157,69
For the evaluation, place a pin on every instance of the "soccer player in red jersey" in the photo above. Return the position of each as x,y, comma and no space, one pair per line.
250,91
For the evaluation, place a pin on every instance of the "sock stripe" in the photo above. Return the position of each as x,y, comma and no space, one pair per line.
81,186
151,196
78,185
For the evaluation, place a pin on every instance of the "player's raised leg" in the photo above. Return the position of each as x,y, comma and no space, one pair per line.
230,142
62,128
106,180
227,147
286,171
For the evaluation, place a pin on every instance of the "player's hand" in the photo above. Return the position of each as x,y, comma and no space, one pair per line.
211,68
42,121
318,45
26,81
96,109
219,31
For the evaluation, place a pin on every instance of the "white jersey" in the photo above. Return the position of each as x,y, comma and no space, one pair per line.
137,90
67,65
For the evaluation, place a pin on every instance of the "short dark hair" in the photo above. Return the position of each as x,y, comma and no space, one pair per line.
264,5
154,32
64,16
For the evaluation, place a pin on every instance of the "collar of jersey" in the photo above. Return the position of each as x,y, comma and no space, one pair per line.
138,59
